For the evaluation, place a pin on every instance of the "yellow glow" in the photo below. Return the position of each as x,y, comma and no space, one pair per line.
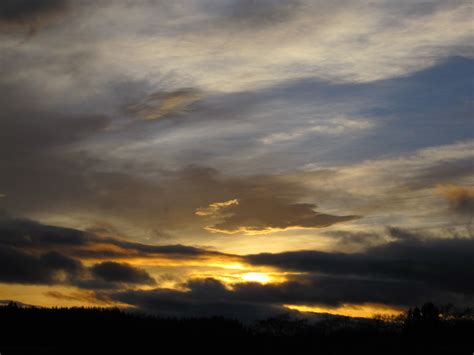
262,231
256,277
221,261
53,296
350,310
214,208
235,273
228,266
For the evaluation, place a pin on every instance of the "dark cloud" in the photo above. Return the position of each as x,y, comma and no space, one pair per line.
409,270
412,268
15,14
34,237
252,300
120,272
34,253
205,298
438,264
20,267
52,268
39,168
351,241
25,233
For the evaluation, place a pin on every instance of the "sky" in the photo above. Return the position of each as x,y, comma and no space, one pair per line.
241,158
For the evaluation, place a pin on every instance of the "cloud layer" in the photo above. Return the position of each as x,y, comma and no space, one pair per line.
409,269
236,157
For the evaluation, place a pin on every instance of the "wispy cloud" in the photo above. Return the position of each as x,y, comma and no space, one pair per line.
162,104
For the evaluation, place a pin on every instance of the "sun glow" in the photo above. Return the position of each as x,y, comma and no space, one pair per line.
256,277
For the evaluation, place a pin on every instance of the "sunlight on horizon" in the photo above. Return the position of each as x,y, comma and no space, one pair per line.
349,310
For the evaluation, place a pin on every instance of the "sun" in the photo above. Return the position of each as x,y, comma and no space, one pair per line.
256,277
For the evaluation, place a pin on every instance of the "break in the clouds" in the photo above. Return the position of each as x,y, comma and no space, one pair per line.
402,272
217,156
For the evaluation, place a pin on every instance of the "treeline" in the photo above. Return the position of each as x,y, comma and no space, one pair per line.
426,330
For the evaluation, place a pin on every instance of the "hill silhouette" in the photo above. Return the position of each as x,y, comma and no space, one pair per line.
426,330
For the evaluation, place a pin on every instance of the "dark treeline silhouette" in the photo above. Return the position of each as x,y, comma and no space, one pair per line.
426,330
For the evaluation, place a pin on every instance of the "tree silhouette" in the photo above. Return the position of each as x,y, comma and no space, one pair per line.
30,330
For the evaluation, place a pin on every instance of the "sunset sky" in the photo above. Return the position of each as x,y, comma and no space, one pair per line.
237,157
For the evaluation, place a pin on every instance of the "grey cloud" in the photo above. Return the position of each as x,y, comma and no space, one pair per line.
438,264
33,253
210,297
205,298
33,237
410,269
121,272
348,240
24,233
442,173
29,13
164,104
17,266
260,13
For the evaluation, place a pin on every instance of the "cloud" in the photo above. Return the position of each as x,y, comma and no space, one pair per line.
334,127
120,272
410,269
34,237
250,301
215,208
460,198
284,132
205,298
401,189
163,104
350,240
384,41
307,122
34,253
30,14
438,264
252,14
52,267
266,214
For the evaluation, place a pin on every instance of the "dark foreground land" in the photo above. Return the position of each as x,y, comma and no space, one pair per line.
111,331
